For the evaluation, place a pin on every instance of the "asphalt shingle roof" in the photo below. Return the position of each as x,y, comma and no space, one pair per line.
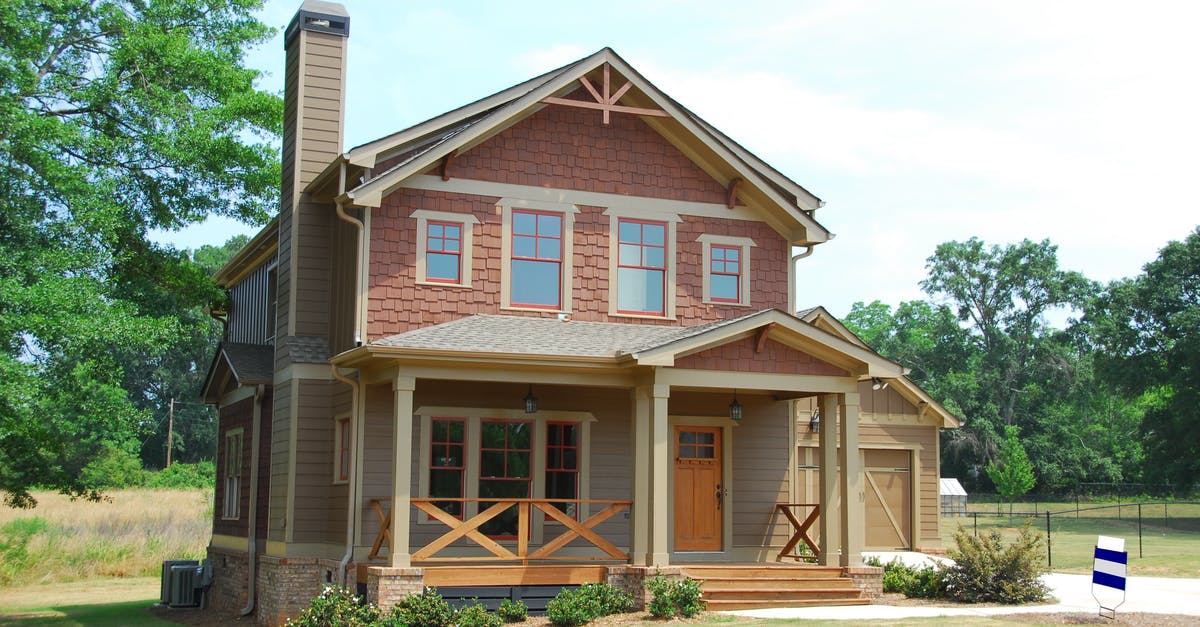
251,363
489,333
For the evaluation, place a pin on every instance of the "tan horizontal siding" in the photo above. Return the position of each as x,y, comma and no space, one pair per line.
760,475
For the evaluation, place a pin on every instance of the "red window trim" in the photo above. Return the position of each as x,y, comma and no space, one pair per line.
462,467
528,480
442,251
663,269
738,275
536,238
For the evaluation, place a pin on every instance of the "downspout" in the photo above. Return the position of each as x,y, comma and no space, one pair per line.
792,305
352,488
252,540
358,261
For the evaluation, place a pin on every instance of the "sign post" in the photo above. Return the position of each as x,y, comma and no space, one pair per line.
1108,575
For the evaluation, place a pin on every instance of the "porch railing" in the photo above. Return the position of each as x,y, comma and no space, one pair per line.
469,529
800,530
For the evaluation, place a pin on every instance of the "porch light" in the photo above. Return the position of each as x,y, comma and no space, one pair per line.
814,422
735,408
530,401
878,384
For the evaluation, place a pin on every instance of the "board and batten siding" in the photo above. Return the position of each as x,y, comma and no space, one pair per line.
248,320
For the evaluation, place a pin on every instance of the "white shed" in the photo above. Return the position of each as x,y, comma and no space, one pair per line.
953,497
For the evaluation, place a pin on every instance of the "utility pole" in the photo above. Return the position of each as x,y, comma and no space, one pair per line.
170,429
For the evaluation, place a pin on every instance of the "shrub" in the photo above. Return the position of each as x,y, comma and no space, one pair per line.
512,611
202,474
427,609
587,602
336,606
476,615
114,468
918,582
671,597
985,570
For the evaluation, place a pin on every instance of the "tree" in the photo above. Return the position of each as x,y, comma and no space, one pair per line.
1011,472
1146,332
116,117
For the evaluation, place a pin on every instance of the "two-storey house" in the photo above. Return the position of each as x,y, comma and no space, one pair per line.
545,338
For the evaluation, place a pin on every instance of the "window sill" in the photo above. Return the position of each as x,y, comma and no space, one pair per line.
641,316
709,301
535,309
440,284
223,517
339,482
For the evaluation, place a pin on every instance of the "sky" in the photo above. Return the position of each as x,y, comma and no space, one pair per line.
917,122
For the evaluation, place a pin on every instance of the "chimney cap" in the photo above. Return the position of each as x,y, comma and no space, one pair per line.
319,16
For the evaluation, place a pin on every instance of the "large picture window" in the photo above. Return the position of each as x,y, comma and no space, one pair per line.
641,267
505,461
537,255
447,463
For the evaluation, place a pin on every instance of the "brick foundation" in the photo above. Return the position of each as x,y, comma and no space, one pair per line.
227,595
632,579
869,579
387,585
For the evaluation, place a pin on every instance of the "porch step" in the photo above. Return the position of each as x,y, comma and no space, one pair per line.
738,587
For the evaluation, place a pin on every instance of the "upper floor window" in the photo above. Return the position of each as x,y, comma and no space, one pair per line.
536,252
641,267
444,247
726,269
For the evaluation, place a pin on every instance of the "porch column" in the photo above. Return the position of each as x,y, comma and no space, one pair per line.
828,521
660,454
640,548
401,469
853,514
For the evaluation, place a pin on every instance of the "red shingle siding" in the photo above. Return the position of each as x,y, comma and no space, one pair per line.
564,148
775,358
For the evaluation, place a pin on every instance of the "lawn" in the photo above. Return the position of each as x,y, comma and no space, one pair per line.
113,601
1169,544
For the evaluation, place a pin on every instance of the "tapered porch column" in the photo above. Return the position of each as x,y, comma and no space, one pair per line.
853,516
401,469
660,454
828,520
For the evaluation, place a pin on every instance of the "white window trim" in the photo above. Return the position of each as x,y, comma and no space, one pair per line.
468,222
473,416
743,243
615,215
236,499
337,448
505,206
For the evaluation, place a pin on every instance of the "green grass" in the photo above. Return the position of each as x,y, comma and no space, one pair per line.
97,615
1170,543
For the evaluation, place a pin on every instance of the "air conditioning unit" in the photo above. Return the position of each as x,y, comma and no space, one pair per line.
164,596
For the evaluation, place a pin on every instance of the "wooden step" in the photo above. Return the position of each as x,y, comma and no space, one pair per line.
722,606
763,572
751,594
736,583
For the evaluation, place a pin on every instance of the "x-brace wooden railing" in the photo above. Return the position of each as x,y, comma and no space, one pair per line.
469,529
800,531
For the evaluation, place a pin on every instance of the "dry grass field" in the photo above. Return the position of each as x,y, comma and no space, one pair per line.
128,534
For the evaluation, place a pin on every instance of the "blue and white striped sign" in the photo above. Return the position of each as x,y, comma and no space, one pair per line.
1111,560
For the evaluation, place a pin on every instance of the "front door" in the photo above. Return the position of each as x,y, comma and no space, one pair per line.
699,494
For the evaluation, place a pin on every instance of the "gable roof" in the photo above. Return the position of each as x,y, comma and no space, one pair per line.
485,336
820,317
244,364
789,206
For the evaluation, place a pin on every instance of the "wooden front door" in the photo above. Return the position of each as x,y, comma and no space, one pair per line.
699,493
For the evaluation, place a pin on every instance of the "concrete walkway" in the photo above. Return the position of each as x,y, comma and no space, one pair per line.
1153,595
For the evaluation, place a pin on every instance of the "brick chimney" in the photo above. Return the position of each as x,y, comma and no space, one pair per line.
314,97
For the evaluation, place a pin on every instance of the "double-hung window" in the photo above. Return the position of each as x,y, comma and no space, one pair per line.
562,464
444,247
342,443
232,505
447,463
505,465
641,267
537,256
726,269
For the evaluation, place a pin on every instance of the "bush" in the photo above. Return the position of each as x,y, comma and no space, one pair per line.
512,611
113,468
202,474
427,609
571,608
476,615
985,570
674,597
918,582
336,606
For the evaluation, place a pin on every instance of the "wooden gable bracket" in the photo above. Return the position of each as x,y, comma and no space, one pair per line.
447,161
731,200
606,102
760,341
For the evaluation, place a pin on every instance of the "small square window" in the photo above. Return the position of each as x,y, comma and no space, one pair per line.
726,269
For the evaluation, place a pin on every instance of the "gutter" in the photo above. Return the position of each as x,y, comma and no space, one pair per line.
252,531
808,250
352,489
360,292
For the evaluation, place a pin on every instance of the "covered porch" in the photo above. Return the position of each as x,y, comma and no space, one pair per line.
675,448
